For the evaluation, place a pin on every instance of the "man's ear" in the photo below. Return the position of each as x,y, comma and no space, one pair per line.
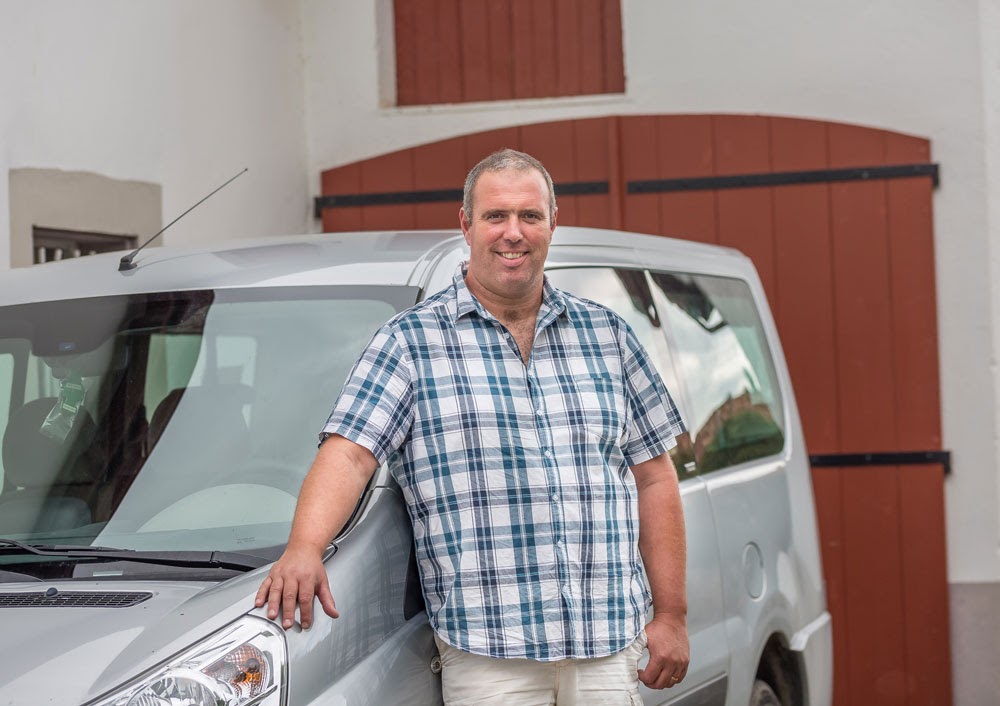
464,222
552,227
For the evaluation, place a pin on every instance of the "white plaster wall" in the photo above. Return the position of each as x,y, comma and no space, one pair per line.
913,66
179,93
989,21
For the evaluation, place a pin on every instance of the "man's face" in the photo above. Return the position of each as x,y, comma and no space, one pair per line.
508,231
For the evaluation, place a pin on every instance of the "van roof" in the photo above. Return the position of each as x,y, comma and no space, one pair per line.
377,257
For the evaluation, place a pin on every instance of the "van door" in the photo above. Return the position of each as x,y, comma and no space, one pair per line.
627,293
739,428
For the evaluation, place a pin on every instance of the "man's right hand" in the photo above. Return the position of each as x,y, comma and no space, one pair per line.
294,580
328,496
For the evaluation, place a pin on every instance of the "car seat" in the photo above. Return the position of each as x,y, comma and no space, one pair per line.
47,481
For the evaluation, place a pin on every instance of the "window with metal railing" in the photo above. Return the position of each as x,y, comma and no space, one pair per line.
49,244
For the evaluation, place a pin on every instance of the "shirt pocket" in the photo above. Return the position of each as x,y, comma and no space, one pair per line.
599,408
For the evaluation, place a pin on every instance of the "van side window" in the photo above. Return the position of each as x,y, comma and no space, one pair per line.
734,405
627,293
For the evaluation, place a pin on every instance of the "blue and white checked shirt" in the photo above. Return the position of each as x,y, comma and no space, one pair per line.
516,477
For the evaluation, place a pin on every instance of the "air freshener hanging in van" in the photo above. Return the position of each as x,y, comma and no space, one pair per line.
60,420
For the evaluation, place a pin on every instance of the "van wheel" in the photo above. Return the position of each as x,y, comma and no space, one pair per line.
763,695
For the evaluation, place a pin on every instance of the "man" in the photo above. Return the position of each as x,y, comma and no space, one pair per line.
529,432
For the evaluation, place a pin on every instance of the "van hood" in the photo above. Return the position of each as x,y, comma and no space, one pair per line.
58,650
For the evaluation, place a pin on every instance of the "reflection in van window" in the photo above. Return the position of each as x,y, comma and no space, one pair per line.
627,293
734,407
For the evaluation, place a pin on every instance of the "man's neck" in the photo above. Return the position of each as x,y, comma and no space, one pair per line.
510,311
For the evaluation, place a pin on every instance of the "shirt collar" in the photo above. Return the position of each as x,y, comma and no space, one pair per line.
553,302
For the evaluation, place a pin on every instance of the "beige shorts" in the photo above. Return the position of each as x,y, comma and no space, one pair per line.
468,679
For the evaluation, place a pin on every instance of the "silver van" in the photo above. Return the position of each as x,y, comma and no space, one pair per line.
157,424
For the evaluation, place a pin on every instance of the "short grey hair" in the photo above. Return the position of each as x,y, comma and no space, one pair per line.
500,161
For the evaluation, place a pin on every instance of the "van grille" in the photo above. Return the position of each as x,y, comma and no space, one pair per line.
73,599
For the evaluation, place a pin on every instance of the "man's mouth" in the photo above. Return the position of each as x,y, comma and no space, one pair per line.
511,255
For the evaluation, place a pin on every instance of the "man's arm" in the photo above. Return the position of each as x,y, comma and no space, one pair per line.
329,494
664,552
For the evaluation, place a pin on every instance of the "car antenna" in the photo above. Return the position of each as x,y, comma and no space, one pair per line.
126,264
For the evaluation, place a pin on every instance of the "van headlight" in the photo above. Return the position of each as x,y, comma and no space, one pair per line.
241,665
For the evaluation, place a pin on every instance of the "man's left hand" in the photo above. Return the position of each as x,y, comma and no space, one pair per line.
669,653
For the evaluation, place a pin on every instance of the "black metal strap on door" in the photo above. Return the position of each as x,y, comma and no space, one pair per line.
818,176
395,198
884,458
649,186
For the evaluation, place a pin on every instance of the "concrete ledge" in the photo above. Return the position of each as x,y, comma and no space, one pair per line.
975,643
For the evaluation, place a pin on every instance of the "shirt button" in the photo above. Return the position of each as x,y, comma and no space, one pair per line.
565,590
555,497
547,453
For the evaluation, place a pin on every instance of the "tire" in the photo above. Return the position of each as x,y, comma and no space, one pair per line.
763,695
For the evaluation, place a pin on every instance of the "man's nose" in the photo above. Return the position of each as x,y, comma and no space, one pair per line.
512,228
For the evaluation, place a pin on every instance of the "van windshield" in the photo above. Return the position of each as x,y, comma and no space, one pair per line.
180,421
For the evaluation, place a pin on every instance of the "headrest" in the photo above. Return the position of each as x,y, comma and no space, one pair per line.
32,459
215,409
162,414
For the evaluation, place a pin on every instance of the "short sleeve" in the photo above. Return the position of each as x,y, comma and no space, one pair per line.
375,408
652,419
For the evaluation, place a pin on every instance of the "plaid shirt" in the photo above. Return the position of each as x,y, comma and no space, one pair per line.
516,477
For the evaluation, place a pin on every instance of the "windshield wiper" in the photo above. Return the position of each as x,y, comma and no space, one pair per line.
197,559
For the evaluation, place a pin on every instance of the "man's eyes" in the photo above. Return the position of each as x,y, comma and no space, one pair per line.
529,216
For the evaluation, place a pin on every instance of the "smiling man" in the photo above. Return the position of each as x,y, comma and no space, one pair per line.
528,431
509,237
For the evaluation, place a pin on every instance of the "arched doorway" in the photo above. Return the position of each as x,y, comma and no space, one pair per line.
837,219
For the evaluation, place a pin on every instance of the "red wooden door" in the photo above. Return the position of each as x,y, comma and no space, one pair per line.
837,220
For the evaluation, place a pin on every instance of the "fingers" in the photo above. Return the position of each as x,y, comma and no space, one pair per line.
326,600
262,593
274,598
663,675
653,674
283,592
663,678
665,669
669,654
288,595
671,677
306,596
